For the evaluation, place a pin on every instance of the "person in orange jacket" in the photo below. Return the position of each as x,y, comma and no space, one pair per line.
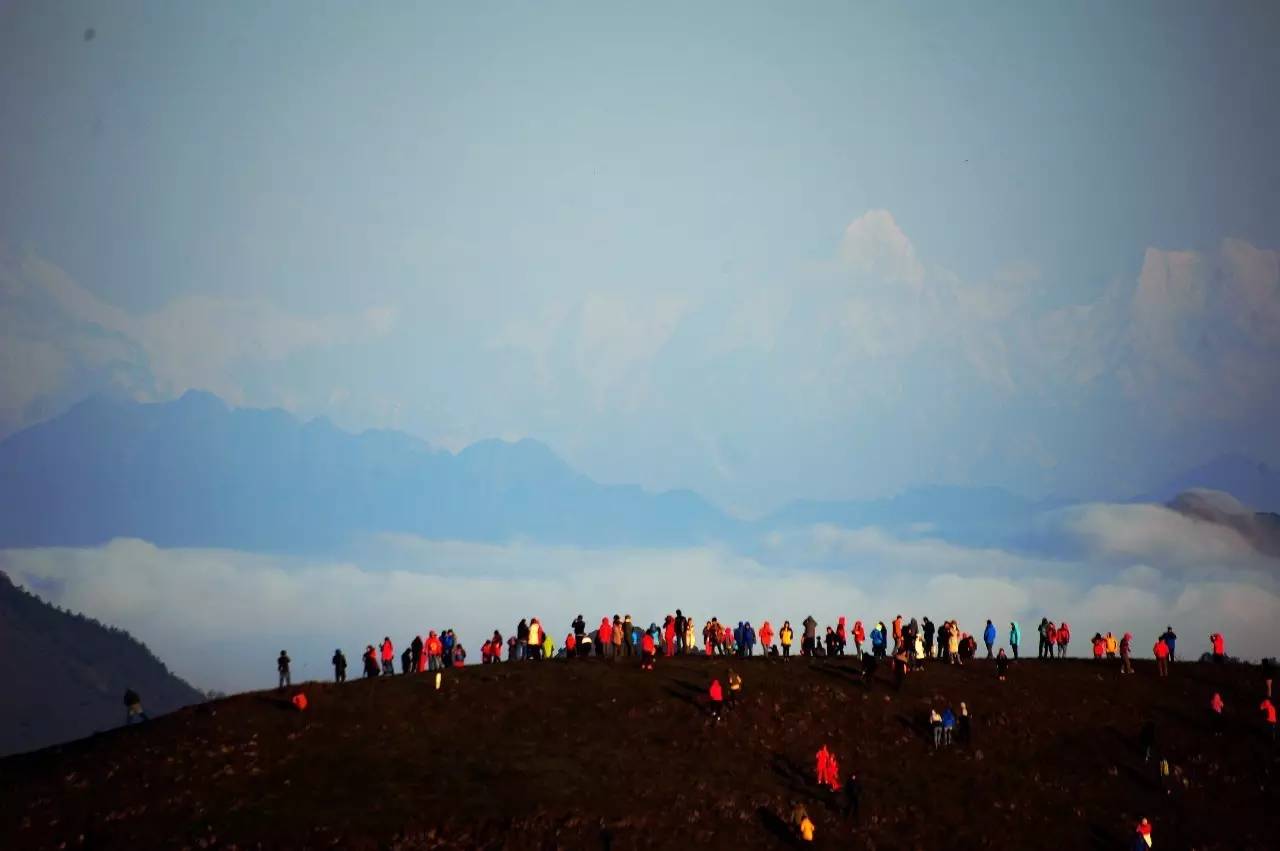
1268,710
1219,647
1064,638
669,636
841,636
897,633
459,656
766,636
570,645
716,695
859,636
388,656
647,651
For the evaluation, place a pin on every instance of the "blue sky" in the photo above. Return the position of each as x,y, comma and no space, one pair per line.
758,251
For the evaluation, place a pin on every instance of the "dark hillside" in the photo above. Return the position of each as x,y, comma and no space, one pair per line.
63,676
592,755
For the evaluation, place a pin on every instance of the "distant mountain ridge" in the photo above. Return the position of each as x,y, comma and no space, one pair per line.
65,675
195,472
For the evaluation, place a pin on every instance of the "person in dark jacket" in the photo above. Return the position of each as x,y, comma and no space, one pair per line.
964,726
406,658
370,659
928,637
133,713
1170,638
852,798
1147,739
681,623
1002,666
415,653
282,667
989,637
339,666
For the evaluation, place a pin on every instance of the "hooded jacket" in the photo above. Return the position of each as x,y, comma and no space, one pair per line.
859,635
1015,634
989,634
766,634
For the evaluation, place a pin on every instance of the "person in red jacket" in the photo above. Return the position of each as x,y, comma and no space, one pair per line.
859,636
388,656
646,652
606,638
1219,647
1162,657
1064,638
766,636
1216,706
841,636
669,636
570,645
1051,636
716,694
1268,710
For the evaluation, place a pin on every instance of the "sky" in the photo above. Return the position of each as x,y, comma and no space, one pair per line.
765,252
760,252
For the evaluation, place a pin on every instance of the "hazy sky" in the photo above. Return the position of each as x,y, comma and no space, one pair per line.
760,250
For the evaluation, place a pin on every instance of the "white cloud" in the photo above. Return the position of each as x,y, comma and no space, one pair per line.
874,245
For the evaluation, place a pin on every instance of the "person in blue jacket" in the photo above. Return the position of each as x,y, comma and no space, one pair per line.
989,637
1170,639
1015,637
877,641
948,725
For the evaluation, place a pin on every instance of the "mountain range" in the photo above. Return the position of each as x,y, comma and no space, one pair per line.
196,472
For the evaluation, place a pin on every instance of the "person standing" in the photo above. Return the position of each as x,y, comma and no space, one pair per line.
339,666
679,625
810,640
628,638
1043,631
1015,637
415,652
388,656
1170,638
989,637
860,635
1126,647
1162,657
1064,638
282,667
784,638
1219,647
535,640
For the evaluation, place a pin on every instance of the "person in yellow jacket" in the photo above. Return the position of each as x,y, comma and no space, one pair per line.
535,638
735,687
1112,646
802,823
784,638
548,646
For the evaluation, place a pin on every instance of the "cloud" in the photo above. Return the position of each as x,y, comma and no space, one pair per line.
218,617
63,343
874,245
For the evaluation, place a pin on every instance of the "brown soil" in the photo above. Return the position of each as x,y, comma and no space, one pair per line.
597,755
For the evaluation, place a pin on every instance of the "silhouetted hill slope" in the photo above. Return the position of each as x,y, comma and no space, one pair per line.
64,676
594,755
194,472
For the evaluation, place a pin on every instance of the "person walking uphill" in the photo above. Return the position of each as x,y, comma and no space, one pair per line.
339,666
989,637
282,667
133,713
716,695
